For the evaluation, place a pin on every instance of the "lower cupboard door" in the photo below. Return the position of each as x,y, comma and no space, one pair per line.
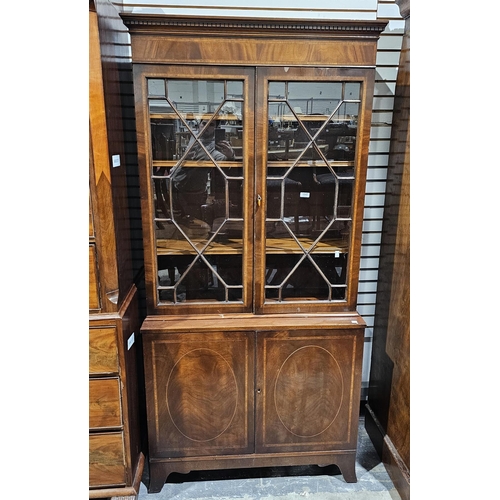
199,393
308,390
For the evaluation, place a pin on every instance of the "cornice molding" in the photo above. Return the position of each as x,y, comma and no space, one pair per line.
151,23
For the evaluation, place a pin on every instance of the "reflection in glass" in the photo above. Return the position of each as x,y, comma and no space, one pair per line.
156,87
196,130
310,174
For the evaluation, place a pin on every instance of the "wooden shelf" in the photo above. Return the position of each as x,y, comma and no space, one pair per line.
234,246
194,116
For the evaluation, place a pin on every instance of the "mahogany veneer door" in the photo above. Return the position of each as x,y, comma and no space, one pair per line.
199,394
308,390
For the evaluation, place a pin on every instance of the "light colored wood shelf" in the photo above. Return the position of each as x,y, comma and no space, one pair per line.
193,116
234,246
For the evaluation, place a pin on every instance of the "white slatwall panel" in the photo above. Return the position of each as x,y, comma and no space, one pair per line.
288,9
387,63
388,48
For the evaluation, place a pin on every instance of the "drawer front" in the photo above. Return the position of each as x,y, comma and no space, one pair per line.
104,403
94,302
106,460
103,350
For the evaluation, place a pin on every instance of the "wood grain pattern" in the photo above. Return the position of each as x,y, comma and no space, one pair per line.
115,459
202,388
260,52
206,409
309,382
103,351
104,403
94,298
232,246
388,419
398,325
91,219
265,382
100,174
156,326
106,459
200,391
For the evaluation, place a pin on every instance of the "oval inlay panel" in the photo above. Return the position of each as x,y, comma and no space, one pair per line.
202,395
308,391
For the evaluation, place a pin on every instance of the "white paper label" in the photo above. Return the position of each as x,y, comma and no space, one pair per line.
116,160
130,341
305,194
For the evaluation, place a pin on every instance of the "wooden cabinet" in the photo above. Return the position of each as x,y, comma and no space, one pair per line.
247,391
253,142
116,460
388,407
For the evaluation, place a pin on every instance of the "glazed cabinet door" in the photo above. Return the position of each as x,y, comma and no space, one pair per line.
199,390
196,157
312,129
308,390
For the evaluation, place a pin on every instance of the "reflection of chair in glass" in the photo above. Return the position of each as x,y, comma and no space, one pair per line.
334,268
341,140
189,190
191,276
162,196
277,269
306,279
214,211
301,140
290,202
323,202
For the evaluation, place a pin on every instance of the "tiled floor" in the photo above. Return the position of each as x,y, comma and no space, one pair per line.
285,483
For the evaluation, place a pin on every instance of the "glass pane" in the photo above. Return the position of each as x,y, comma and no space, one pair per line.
199,96
352,90
164,138
314,98
159,106
310,177
187,278
235,89
156,87
276,90
197,181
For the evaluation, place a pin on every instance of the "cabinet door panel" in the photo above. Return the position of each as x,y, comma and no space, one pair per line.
311,169
197,180
308,389
200,394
